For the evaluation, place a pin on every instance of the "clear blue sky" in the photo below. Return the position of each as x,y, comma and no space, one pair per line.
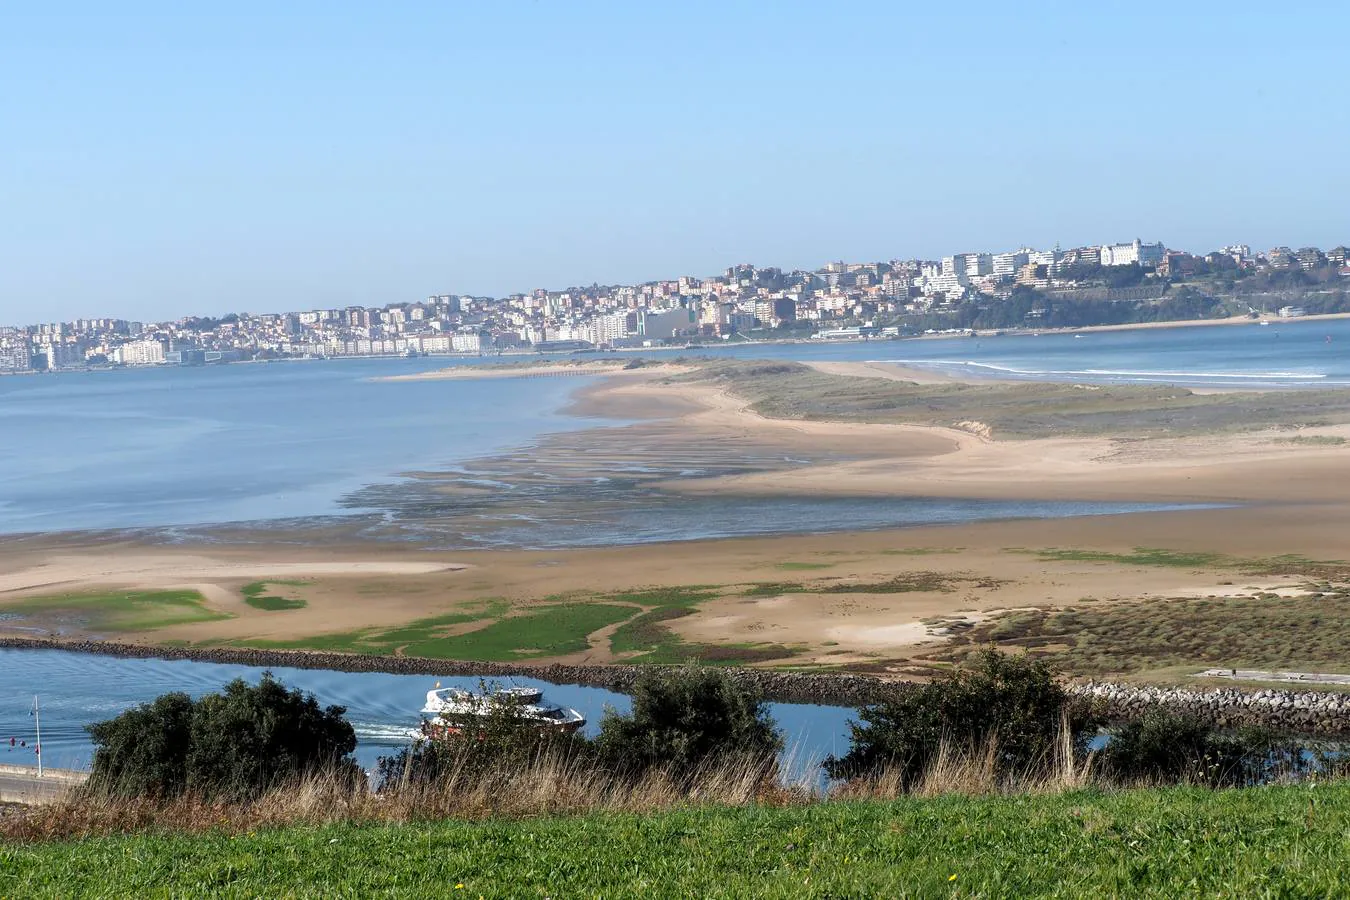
157,159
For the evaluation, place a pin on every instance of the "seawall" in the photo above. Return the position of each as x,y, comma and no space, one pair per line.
1302,711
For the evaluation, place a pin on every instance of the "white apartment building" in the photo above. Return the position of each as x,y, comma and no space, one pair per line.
613,327
140,353
471,342
1131,253
1009,263
978,264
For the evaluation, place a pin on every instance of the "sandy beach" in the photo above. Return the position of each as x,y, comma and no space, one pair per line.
1279,499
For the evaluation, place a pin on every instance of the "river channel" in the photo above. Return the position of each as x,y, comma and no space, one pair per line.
77,689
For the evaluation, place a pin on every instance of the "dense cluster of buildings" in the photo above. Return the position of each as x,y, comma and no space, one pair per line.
742,299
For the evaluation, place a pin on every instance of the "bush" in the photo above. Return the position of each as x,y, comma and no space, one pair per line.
684,720
143,752
236,745
1013,701
1165,748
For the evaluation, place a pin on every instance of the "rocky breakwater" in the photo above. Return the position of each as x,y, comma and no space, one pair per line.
1305,712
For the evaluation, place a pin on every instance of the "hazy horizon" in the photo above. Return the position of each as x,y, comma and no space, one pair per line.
165,162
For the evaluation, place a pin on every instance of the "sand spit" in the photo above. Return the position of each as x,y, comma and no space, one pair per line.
155,570
546,370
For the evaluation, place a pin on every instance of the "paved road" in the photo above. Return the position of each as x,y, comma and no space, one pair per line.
20,784
1261,675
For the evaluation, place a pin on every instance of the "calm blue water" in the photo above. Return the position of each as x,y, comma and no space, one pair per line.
77,689
164,448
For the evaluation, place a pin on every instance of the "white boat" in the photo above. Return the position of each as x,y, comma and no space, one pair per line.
452,699
452,711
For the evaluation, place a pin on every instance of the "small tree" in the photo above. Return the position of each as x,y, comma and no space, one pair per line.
1012,700
684,719
236,744
252,737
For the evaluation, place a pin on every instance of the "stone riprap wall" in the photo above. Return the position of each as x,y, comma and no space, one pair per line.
1305,712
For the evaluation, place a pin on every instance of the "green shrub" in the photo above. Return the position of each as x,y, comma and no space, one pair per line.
1165,748
685,719
143,752
1014,701
235,745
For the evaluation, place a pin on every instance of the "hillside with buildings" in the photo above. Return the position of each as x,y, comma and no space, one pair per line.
1027,288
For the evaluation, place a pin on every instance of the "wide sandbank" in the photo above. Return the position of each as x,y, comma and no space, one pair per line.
880,600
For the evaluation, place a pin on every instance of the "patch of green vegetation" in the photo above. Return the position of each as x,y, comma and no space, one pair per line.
256,596
118,611
1279,841
645,633
774,588
803,566
384,642
1313,440
908,582
920,551
681,596
1141,556
1311,633
645,639
541,631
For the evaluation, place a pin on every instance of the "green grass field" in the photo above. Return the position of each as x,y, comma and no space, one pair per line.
117,611
550,630
1258,842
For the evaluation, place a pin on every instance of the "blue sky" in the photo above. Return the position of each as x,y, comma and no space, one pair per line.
163,159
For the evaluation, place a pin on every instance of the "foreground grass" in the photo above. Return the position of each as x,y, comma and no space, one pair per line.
118,611
1278,841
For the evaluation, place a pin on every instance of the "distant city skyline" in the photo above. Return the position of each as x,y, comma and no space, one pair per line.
163,161
944,261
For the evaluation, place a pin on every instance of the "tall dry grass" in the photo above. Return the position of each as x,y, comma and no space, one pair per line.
974,770
548,784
